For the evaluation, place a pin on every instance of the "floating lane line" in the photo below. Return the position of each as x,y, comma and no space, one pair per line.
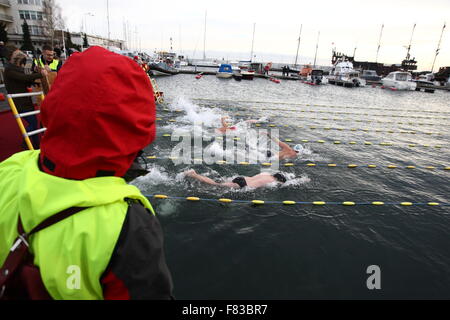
310,164
323,105
292,202
331,141
265,125
345,120
337,112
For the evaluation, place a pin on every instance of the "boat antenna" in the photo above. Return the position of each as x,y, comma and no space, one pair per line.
253,42
204,38
438,48
179,29
410,42
379,42
317,48
298,46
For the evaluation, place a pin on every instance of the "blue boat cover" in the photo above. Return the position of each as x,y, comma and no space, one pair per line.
226,68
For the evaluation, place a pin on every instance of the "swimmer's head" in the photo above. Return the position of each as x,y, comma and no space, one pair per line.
280,177
297,148
269,153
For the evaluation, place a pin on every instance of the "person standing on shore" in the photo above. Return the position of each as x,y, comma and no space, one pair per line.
16,81
267,69
47,60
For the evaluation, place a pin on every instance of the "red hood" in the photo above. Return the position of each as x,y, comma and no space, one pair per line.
99,114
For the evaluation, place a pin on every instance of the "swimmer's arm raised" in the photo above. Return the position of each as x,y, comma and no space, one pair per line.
283,146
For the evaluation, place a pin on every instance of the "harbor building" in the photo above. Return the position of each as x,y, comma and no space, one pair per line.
15,12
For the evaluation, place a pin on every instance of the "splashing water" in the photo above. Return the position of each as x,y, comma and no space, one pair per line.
196,114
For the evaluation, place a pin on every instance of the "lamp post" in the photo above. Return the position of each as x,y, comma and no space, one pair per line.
85,31
85,20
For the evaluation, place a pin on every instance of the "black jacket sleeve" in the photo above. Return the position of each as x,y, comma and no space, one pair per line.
138,269
19,76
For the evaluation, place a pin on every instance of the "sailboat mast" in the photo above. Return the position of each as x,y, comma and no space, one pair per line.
107,11
253,42
317,48
438,48
204,39
410,43
298,46
379,42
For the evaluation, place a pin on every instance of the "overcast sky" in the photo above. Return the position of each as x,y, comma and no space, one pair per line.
347,24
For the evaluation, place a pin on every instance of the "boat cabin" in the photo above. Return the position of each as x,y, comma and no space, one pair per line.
226,68
343,67
257,67
369,73
399,76
306,70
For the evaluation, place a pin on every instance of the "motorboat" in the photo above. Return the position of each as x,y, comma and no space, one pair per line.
399,80
247,74
370,76
425,83
316,77
343,74
225,71
162,69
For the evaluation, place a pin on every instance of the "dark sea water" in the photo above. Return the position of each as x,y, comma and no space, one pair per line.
240,251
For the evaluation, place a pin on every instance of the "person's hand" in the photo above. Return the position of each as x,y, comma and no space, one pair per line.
44,72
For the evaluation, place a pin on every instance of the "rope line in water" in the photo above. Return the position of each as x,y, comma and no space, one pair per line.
398,131
347,120
290,202
312,164
340,112
323,105
352,129
335,142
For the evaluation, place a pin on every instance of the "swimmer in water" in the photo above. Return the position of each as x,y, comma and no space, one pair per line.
286,152
257,181
226,125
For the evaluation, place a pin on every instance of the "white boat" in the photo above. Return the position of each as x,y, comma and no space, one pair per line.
225,71
316,77
343,74
399,80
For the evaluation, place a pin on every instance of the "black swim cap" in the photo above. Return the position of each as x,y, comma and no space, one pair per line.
281,178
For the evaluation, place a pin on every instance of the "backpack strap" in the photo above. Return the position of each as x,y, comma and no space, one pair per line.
19,251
